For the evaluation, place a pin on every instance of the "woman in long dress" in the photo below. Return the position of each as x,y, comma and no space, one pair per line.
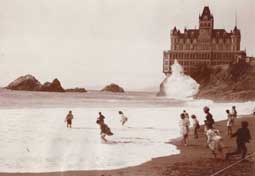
105,130
214,141
123,119
230,121
184,128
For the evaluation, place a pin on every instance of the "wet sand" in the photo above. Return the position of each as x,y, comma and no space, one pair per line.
194,160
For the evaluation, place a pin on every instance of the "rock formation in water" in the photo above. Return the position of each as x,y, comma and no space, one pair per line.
77,89
27,82
113,88
54,86
30,83
229,82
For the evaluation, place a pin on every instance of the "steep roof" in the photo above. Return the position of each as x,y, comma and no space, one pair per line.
206,13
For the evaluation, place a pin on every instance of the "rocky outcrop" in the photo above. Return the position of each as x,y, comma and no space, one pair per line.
230,82
30,83
54,86
77,89
27,82
113,88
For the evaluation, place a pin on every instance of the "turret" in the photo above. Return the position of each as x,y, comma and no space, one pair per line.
236,39
206,23
174,38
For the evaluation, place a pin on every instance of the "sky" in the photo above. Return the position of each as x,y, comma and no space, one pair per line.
92,43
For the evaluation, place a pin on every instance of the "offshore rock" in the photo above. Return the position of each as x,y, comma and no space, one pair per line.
113,88
27,83
54,86
77,89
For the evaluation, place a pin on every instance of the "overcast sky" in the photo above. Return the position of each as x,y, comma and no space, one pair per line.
90,43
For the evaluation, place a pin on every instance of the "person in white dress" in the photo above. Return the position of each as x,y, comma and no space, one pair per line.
230,120
234,114
184,128
123,119
214,141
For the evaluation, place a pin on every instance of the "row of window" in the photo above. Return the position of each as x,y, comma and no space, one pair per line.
190,63
201,56
221,40
205,47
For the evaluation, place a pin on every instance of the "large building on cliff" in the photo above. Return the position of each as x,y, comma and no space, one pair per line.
204,45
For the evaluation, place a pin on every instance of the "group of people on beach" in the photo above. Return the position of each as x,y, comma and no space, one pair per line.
214,140
105,130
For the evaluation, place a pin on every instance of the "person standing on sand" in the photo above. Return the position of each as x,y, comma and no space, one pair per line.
243,136
123,119
195,124
229,122
234,114
209,118
214,141
184,129
69,119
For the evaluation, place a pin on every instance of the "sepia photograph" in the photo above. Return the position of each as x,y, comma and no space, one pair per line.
127,88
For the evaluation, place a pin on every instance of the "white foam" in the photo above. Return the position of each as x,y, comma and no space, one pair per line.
178,85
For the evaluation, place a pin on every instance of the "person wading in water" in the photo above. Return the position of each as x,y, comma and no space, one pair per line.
105,130
69,119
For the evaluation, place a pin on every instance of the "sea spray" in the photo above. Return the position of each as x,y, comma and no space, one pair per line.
178,85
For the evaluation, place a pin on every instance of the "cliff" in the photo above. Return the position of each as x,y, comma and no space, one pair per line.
234,82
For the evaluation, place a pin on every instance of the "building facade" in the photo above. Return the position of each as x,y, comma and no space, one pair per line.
204,45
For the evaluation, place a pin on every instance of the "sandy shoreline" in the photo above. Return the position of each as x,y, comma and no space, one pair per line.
194,160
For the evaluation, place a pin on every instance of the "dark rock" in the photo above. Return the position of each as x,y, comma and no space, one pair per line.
77,89
27,82
230,82
54,86
113,88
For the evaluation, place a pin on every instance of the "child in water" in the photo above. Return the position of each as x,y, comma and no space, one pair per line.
124,119
105,130
69,119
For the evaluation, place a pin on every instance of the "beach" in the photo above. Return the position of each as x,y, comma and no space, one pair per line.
194,159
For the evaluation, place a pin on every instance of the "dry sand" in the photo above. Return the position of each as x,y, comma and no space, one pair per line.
194,160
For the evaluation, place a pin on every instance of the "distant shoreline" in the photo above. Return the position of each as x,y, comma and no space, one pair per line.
150,94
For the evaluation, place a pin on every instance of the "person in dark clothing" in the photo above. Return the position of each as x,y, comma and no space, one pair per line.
101,118
209,118
105,130
242,137
196,125
69,119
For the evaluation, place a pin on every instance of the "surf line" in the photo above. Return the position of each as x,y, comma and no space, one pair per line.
231,165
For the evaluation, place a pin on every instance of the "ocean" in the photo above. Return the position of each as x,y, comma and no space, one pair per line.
34,137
